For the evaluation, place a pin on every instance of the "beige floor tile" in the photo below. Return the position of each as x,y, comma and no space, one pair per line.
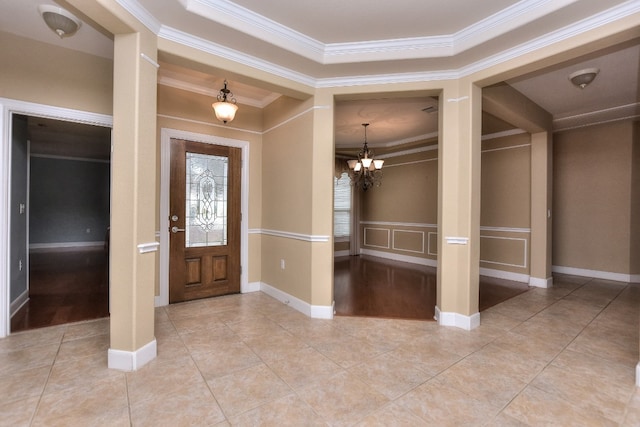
170,347
342,399
32,338
244,390
517,365
537,408
426,357
84,347
593,366
608,344
188,309
632,413
392,415
599,292
489,384
534,347
227,358
315,331
86,329
389,375
28,358
493,319
306,367
286,411
192,405
439,404
350,352
196,323
574,311
103,405
502,420
277,345
18,413
162,378
208,340
604,398
20,385
254,326
80,373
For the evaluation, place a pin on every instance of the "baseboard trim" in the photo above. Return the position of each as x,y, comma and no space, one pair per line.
337,254
313,311
399,257
458,320
40,246
17,304
638,375
507,275
129,361
250,287
541,283
596,274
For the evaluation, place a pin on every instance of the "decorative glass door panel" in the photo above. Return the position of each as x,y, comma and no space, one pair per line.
204,222
206,200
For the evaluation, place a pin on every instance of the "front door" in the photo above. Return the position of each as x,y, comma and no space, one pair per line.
204,220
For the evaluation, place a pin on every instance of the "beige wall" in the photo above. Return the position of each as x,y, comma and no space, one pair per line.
592,189
55,76
635,202
400,217
286,199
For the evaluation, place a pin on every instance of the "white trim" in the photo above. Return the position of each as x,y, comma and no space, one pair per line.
399,224
525,251
511,147
129,361
393,240
149,60
145,248
337,254
506,229
165,153
456,319
596,274
507,275
502,134
250,287
76,159
364,241
17,304
541,283
57,245
7,108
455,240
296,116
398,257
638,375
210,124
295,236
414,162
313,311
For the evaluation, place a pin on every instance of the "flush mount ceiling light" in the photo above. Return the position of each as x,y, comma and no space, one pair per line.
365,172
226,107
582,78
61,22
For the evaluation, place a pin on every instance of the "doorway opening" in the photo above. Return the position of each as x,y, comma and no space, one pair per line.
60,183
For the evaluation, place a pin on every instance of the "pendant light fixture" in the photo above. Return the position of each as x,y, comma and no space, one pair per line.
365,171
226,107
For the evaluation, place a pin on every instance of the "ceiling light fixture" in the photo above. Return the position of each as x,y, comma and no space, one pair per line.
226,107
366,171
583,78
61,22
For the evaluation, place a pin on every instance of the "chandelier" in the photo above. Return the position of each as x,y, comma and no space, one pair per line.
365,172
226,107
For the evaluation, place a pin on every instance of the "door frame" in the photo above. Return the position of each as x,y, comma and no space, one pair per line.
166,134
8,107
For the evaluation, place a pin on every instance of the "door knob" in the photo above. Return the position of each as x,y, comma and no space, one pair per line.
175,229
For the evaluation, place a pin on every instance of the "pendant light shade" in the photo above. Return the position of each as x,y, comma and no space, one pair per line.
225,109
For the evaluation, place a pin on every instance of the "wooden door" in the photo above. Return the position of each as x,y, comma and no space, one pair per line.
204,220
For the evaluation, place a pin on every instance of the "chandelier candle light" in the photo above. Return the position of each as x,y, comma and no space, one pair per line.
365,172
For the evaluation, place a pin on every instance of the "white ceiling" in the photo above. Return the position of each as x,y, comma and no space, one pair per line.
338,42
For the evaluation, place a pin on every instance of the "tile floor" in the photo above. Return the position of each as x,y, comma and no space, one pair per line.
563,356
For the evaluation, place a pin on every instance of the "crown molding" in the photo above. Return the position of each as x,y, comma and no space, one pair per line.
606,115
141,14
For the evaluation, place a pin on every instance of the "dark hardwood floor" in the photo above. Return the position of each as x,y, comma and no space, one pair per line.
72,285
66,285
376,287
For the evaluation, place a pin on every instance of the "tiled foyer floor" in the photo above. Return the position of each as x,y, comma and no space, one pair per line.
563,356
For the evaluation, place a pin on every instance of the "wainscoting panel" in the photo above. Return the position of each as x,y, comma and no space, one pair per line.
409,241
377,237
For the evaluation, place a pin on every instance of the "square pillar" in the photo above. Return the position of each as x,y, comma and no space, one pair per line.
541,199
459,205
